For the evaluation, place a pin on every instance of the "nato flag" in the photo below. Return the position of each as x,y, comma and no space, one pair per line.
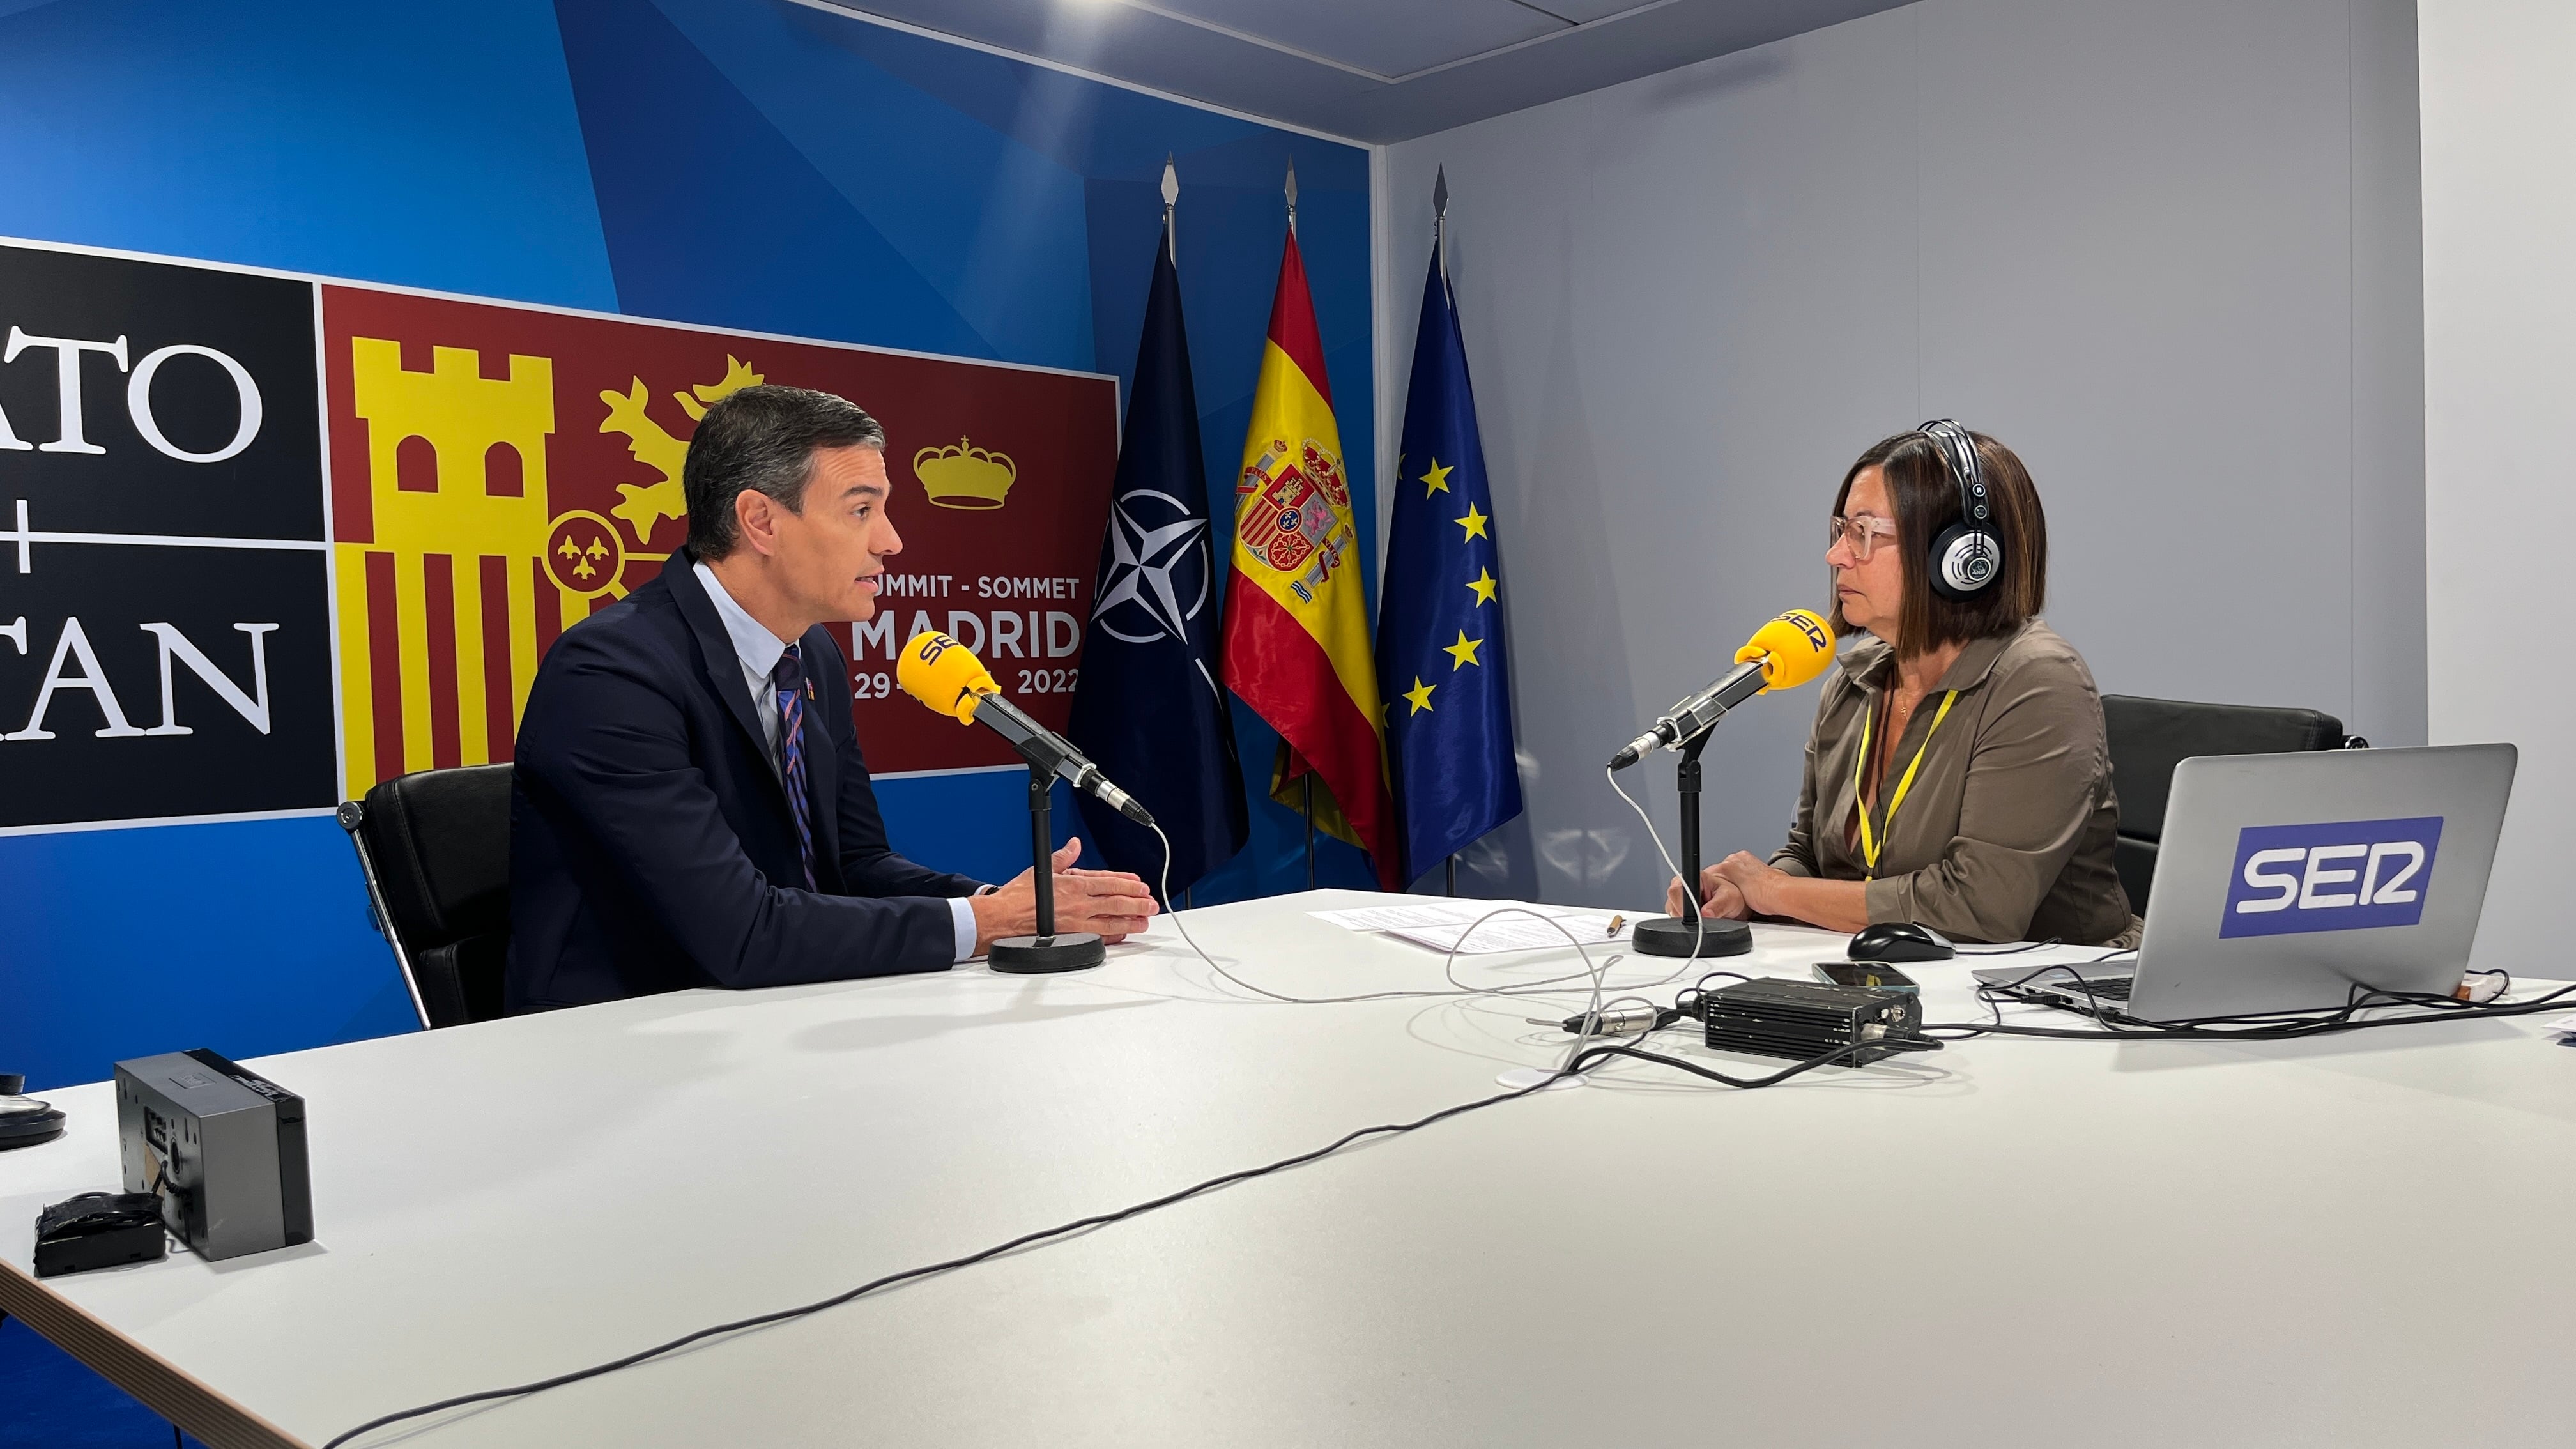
1440,622
1147,708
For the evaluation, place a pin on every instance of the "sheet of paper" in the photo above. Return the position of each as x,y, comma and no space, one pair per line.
1518,933
1415,915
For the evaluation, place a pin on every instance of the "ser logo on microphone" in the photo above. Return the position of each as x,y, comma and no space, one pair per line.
2339,876
1819,638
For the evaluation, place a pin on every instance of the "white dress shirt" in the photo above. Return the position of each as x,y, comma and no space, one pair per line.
757,651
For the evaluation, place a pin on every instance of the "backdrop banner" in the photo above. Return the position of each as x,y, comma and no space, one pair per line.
267,540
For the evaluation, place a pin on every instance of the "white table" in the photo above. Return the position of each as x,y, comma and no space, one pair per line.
2349,1241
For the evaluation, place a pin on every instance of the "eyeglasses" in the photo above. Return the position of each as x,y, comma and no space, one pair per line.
1861,530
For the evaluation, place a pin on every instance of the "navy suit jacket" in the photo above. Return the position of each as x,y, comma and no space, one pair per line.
650,842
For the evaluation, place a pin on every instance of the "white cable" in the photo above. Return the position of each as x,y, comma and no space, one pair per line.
1699,913
1597,974
1591,1018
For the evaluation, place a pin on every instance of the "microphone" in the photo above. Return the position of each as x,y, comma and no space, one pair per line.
1783,654
946,675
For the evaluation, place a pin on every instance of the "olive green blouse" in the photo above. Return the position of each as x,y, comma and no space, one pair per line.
2006,832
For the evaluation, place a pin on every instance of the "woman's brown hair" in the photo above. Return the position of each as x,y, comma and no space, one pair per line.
1927,501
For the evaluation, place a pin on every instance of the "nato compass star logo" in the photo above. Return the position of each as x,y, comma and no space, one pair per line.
1151,568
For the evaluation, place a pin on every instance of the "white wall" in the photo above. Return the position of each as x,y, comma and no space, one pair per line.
2168,252
2500,396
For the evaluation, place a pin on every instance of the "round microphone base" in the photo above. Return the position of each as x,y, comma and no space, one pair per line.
28,1126
1674,936
1044,955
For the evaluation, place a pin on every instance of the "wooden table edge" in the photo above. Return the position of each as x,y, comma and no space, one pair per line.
161,1385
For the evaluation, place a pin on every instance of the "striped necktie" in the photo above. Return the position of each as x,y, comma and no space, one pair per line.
788,680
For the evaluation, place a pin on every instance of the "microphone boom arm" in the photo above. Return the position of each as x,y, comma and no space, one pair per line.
1693,717
1040,747
946,675
1046,750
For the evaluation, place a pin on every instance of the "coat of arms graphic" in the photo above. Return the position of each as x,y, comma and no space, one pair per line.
1298,512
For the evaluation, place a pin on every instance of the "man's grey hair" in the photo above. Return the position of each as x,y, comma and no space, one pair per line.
763,439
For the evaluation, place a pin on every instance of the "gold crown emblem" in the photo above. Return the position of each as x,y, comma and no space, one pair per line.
965,477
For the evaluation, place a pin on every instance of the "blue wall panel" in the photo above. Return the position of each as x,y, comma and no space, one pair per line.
247,936
385,143
1005,251
712,216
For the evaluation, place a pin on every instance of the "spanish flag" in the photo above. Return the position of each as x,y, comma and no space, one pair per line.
1296,621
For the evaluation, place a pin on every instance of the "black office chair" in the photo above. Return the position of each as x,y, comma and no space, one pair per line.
2148,737
435,849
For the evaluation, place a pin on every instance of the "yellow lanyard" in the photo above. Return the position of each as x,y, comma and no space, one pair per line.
1871,845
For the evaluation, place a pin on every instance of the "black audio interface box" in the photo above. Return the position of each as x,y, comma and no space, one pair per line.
1775,1017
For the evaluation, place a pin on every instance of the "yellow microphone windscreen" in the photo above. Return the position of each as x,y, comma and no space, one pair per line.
1793,648
944,674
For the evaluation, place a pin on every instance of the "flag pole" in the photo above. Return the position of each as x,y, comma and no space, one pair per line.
1172,249
1440,246
1308,780
1440,219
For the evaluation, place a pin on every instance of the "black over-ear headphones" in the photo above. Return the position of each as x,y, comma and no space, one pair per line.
1968,556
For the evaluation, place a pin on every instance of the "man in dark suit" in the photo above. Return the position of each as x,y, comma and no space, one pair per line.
689,806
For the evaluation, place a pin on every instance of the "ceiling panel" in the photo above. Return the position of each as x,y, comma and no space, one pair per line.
1388,38
1455,60
1582,10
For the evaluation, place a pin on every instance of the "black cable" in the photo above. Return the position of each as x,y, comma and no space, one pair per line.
1825,1058
1582,1062
2357,998
1692,1000
1993,994
2013,950
2275,1026
1986,991
969,1260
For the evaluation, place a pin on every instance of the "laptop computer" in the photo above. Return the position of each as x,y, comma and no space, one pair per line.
2283,881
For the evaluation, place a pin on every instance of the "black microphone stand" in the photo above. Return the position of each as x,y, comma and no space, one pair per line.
1686,934
1047,951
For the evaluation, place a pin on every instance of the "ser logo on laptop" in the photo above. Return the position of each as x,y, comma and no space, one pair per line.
2339,876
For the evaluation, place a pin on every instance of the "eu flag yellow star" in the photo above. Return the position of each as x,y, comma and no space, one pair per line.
1483,583
1420,694
1474,523
1464,651
1437,480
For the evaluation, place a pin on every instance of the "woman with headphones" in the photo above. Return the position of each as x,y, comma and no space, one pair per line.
1956,775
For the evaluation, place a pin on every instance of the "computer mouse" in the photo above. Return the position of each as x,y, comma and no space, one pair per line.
1900,941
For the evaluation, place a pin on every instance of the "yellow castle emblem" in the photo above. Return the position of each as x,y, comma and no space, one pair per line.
963,476
460,560
469,577
652,445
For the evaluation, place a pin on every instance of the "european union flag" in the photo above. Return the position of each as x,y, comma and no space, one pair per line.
1440,621
1147,708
